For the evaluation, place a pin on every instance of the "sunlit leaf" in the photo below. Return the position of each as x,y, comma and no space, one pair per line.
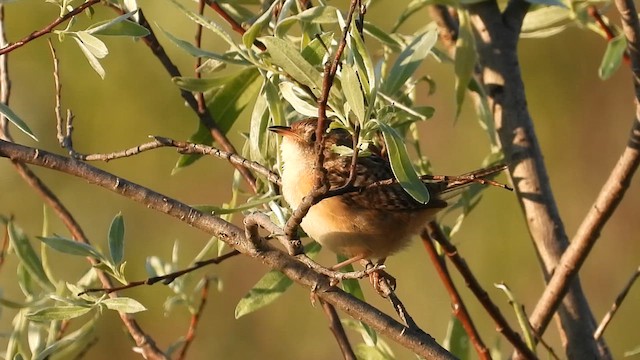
401,164
319,15
93,44
93,61
71,247
383,36
63,312
16,120
523,320
119,26
198,52
263,21
285,55
123,304
353,92
269,288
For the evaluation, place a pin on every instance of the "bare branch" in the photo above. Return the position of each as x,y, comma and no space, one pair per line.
335,325
609,197
415,340
459,308
195,319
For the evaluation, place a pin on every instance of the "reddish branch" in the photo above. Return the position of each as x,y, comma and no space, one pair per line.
232,22
195,319
49,28
502,326
459,308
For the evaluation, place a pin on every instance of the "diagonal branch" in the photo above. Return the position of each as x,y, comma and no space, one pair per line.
415,340
610,195
498,33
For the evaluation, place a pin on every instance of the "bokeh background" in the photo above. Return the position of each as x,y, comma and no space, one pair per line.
582,124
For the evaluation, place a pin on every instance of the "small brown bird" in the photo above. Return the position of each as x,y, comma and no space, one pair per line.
370,224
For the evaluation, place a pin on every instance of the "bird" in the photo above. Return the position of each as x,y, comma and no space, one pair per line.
369,224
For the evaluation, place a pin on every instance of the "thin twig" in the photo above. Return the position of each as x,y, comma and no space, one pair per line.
335,325
49,28
166,279
502,326
459,308
198,43
321,185
610,195
195,319
235,26
616,304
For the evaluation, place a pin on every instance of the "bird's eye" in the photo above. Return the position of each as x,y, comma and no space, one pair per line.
313,137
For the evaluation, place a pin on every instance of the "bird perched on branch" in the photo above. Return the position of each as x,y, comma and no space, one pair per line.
370,222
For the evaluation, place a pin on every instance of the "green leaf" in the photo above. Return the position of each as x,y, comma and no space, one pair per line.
632,352
263,21
413,7
197,52
523,320
64,312
76,342
558,3
123,304
93,44
315,51
269,288
285,55
382,36
612,57
119,26
319,15
216,210
456,340
72,247
201,84
408,61
15,120
93,61
539,21
225,107
116,239
207,24
301,106
28,257
353,92
465,59
364,351
401,164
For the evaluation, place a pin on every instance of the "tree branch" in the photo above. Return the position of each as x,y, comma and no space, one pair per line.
498,33
610,195
415,340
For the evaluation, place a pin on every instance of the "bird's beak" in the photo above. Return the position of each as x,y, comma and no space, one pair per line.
282,130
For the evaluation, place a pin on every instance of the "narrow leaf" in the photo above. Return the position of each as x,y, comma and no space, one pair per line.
28,257
263,21
353,92
612,57
320,15
64,312
401,165
15,120
197,52
465,59
269,288
119,26
285,55
123,304
71,247
116,239
408,61
93,44
93,61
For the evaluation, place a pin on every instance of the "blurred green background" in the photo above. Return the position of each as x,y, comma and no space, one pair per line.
581,121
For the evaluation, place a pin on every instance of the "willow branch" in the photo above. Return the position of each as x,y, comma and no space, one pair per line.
415,340
610,195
